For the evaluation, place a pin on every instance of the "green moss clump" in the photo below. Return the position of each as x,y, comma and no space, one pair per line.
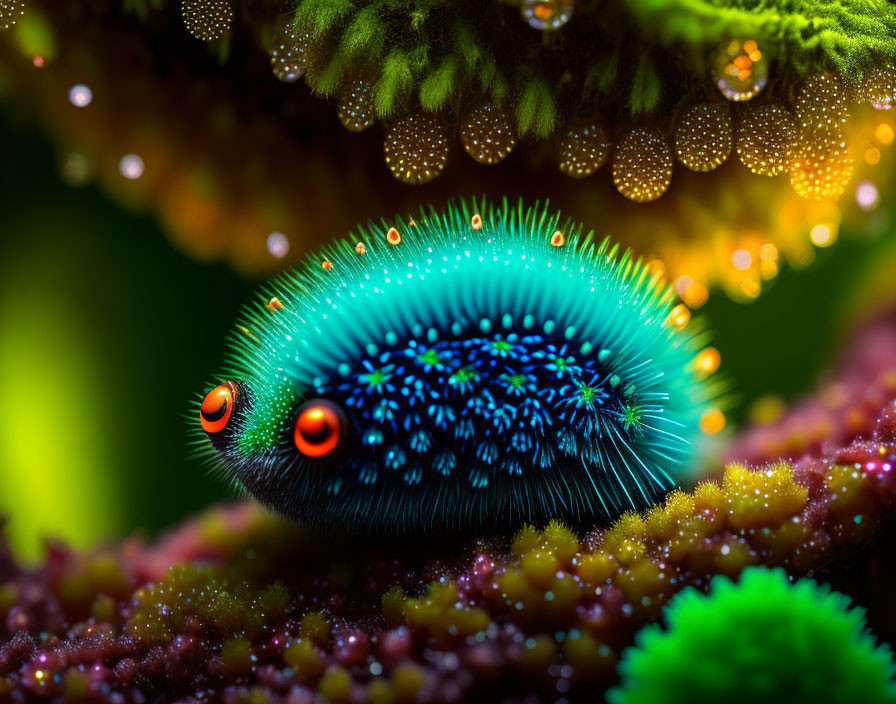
630,57
761,639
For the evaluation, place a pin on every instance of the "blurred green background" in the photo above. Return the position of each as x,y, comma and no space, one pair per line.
108,335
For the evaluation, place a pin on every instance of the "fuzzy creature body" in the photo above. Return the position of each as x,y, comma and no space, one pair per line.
481,367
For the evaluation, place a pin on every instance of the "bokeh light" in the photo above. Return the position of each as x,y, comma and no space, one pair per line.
80,96
278,244
867,195
131,166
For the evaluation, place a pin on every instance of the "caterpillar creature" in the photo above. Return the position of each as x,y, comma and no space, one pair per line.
480,367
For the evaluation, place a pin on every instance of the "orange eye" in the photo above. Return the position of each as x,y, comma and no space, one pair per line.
318,428
217,406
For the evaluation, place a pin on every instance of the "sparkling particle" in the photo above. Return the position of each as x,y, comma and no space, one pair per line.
356,106
867,195
642,165
547,14
487,134
288,52
10,11
278,244
583,150
878,87
393,237
326,264
703,136
360,248
558,239
476,222
275,305
416,148
741,70
131,166
764,134
80,96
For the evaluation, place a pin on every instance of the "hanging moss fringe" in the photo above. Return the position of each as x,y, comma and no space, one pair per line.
621,58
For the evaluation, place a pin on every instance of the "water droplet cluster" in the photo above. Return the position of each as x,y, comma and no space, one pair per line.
741,70
207,20
416,148
764,134
288,59
356,106
642,165
10,11
547,14
487,134
703,136
583,150
878,87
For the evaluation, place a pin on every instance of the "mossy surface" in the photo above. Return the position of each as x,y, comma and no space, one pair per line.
236,605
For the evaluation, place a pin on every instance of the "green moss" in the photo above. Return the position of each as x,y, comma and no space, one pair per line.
236,655
762,639
632,57
225,601
315,627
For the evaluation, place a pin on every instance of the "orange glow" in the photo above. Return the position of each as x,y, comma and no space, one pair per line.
392,236
712,422
656,268
557,239
360,248
274,304
695,295
476,222
884,134
327,264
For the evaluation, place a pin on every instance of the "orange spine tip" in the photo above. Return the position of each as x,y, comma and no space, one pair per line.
245,331
327,264
708,361
476,222
392,236
360,248
274,304
558,239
